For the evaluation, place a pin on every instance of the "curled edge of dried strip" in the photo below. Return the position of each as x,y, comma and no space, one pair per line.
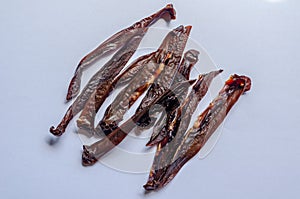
87,158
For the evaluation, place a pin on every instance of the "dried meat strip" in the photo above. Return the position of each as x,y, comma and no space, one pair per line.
190,58
169,51
190,143
94,152
127,42
184,112
86,120
114,43
107,72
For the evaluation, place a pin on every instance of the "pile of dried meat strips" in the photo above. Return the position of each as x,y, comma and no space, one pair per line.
168,104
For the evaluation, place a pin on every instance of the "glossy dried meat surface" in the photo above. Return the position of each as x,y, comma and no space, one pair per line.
167,107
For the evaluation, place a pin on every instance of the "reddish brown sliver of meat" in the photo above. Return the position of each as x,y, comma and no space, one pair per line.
113,43
191,142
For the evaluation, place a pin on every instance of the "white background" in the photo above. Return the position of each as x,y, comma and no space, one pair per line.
258,154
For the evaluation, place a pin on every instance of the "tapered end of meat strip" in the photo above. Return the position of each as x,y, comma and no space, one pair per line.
247,82
157,179
165,175
74,86
150,186
57,131
216,72
61,127
208,77
171,11
88,158
239,80
188,29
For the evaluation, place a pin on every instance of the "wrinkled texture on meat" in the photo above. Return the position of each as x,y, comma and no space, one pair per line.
114,43
182,73
125,43
95,151
103,76
190,142
171,48
185,111
86,119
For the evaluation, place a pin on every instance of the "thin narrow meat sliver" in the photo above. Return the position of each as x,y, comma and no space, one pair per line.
169,50
91,154
125,43
114,43
168,78
189,143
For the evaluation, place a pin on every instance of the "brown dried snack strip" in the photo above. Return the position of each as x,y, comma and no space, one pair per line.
191,58
169,50
125,38
165,81
185,111
92,153
115,42
189,143
166,146
107,72
86,120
